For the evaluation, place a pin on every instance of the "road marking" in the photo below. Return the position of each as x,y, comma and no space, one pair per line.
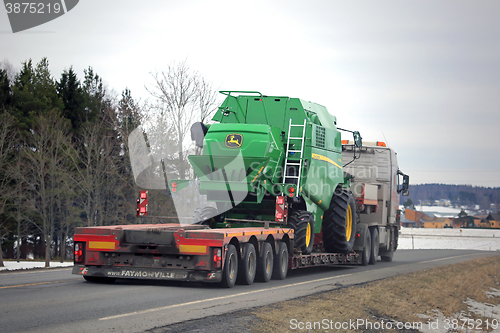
222,297
264,290
34,284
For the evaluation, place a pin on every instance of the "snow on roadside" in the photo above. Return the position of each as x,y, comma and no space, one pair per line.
449,239
14,265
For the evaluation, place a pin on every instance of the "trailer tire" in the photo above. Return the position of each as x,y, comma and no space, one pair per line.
375,246
280,265
247,265
366,254
339,223
230,270
302,223
265,263
99,279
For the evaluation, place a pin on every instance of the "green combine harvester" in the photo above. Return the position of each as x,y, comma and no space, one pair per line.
266,149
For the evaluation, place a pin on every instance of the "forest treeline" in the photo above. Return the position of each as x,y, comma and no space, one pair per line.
63,150
458,195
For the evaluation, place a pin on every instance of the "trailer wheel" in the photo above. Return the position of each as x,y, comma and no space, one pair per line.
280,265
99,279
265,263
339,223
375,246
248,265
367,249
302,223
230,270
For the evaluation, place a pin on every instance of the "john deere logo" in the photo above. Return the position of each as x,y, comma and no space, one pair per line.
234,140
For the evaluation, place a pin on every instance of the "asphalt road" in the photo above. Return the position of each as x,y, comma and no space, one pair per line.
56,301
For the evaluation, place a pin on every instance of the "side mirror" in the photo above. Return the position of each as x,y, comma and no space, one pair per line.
406,184
357,139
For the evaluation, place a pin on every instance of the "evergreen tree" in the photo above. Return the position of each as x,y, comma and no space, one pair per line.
94,94
34,93
5,91
73,98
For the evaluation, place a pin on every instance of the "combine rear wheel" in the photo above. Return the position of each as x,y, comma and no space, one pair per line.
205,215
339,223
302,223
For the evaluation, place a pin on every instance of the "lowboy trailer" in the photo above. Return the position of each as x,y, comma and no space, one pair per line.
192,253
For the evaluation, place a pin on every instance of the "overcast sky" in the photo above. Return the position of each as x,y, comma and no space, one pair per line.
422,75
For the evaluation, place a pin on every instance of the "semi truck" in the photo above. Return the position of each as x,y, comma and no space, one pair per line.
268,193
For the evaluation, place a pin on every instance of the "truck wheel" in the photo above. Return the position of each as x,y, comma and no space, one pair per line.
339,223
280,265
265,263
388,254
367,249
248,265
99,279
302,222
375,246
396,238
230,270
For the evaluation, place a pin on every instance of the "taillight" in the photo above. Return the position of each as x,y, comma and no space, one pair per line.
217,258
291,190
79,253
174,186
142,204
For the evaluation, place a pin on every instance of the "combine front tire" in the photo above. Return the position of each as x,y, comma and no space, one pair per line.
302,223
339,223
230,270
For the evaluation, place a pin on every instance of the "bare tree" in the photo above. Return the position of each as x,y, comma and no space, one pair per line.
93,162
7,142
46,156
207,99
185,97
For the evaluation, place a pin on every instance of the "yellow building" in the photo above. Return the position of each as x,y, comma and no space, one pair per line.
437,222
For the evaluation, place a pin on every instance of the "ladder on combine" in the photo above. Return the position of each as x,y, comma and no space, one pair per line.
295,163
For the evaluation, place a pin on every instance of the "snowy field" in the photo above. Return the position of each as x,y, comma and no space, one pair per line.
14,265
457,239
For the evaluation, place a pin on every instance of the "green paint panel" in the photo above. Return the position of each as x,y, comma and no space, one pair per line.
248,143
